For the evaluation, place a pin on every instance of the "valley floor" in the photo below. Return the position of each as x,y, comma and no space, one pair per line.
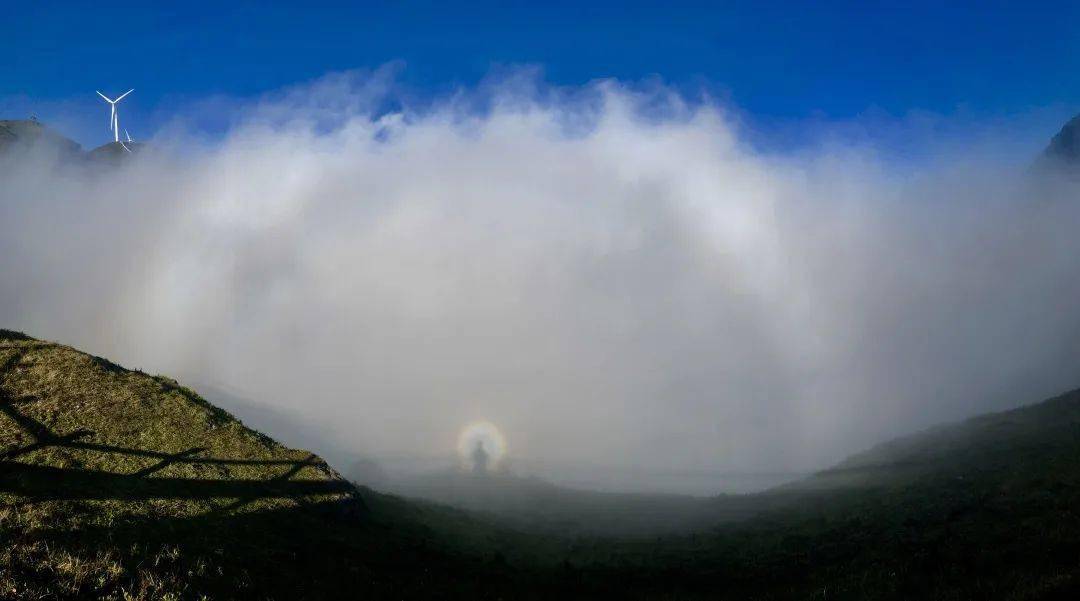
119,485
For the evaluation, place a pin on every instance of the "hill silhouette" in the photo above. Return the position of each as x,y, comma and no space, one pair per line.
1064,147
29,135
115,151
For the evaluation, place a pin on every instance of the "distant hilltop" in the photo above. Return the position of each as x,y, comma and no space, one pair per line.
30,132
24,134
1064,147
1062,151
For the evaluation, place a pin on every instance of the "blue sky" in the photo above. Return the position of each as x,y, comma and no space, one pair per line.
776,61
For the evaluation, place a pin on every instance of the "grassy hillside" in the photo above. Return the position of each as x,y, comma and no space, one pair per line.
116,484
984,509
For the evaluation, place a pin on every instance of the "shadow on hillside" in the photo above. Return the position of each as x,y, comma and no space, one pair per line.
44,482
38,482
307,552
330,544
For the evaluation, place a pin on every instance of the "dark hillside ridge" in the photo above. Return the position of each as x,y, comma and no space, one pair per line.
1062,154
1065,145
118,484
115,151
988,508
979,443
31,135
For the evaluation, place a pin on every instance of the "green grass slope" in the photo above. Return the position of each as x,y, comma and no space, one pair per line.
985,509
1037,437
119,485
116,484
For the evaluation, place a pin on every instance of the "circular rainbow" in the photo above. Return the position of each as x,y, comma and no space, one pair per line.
483,432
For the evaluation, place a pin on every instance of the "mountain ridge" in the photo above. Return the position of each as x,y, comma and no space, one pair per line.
30,134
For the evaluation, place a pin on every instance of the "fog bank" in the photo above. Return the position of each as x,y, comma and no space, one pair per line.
613,275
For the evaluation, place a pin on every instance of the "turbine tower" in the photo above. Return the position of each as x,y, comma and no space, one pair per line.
114,123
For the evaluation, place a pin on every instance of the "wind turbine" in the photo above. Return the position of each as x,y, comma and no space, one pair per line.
114,123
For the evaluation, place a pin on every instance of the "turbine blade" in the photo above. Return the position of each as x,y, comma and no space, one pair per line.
124,94
104,96
124,147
